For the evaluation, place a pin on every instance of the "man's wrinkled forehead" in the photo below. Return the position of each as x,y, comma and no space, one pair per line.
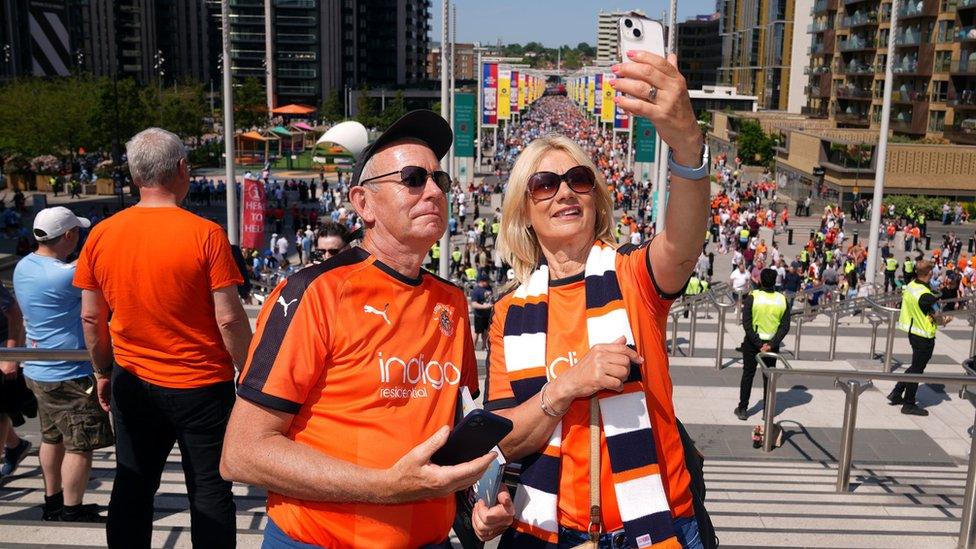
404,152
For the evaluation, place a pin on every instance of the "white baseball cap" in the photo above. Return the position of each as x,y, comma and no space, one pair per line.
54,222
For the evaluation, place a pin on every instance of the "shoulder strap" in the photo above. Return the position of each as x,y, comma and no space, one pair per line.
595,527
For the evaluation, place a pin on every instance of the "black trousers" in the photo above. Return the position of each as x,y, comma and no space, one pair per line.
749,365
889,280
922,348
149,420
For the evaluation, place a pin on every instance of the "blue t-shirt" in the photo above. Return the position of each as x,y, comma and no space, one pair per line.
52,315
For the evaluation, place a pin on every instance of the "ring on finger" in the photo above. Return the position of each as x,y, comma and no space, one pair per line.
652,93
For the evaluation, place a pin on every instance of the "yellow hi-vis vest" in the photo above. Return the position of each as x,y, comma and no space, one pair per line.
849,267
891,264
456,255
435,251
909,266
744,234
768,309
912,319
696,286
471,273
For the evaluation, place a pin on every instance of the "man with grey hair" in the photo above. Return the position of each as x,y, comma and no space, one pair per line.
165,365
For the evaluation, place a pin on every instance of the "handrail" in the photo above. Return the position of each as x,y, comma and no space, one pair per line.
967,528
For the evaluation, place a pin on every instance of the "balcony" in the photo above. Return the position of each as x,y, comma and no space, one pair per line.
819,26
859,20
297,38
849,91
912,121
966,34
823,6
910,10
309,4
965,5
964,66
858,43
910,37
851,156
853,118
814,112
909,97
816,71
246,37
963,133
855,68
852,2
297,72
824,48
963,99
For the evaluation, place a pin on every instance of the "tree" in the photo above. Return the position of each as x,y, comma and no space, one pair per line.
754,146
393,111
332,108
366,108
133,115
46,116
183,110
585,49
250,107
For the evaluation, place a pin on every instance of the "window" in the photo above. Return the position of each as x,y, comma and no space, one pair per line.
876,113
946,31
940,91
947,5
936,121
943,61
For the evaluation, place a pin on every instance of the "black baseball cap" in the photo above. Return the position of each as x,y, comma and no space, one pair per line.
423,125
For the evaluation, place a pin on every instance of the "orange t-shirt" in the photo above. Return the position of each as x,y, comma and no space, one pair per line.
370,363
566,345
158,269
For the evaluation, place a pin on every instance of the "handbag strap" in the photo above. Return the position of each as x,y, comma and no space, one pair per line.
595,527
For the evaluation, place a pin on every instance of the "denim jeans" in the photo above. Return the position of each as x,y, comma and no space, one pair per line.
685,528
275,538
149,420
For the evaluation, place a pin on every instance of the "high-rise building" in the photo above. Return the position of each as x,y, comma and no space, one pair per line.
607,34
757,38
41,38
934,67
699,51
464,62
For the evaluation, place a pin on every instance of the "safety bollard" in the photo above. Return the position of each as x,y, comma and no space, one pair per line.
799,333
852,389
972,245
789,237
855,237
928,242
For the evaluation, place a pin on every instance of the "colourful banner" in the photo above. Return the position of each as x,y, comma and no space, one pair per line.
489,95
504,92
644,137
621,120
464,123
598,95
252,227
514,91
523,95
607,110
590,93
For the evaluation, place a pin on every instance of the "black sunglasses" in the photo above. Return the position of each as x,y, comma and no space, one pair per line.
545,185
415,177
330,251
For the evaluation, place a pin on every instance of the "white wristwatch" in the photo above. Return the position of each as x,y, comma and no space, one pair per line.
687,172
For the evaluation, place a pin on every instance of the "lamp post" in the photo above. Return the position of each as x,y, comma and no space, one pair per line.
233,233
444,265
158,62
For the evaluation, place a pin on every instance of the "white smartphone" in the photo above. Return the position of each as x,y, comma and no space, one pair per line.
639,33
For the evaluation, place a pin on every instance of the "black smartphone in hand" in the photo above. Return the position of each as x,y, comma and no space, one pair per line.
476,435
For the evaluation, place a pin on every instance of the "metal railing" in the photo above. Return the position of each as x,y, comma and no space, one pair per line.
853,384
20,354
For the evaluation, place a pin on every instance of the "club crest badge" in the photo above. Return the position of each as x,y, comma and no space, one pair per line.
442,315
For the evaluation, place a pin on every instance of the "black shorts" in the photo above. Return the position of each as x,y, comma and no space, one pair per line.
481,324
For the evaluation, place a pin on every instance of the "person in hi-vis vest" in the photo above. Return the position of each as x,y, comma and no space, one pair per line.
766,319
890,267
918,310
908,270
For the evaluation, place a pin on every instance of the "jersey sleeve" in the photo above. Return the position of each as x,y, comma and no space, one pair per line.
290,348
498,387
634,266
469,377
223,271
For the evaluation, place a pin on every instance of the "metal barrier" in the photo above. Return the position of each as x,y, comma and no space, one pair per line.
853,385
20,354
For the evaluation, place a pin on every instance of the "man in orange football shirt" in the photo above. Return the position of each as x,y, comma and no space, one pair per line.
356,367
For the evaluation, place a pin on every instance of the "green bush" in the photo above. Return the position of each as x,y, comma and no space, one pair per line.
931,206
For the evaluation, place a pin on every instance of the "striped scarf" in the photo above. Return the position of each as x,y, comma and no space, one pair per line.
637,483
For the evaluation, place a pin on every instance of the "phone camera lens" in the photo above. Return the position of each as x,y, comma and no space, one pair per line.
628,23
637,33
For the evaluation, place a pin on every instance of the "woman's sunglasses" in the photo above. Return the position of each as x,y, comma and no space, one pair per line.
415,177
545,185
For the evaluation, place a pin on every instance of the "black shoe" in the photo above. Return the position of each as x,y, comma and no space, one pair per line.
741,413
914,410
81,513
896,399
14,456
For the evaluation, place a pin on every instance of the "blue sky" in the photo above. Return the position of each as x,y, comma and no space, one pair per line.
551,22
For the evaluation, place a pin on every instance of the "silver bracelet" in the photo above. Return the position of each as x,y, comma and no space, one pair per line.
546,406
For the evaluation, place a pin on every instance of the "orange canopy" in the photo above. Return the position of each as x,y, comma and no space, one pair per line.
294,109
253,135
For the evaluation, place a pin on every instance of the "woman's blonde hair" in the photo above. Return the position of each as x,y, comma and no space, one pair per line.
517,242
